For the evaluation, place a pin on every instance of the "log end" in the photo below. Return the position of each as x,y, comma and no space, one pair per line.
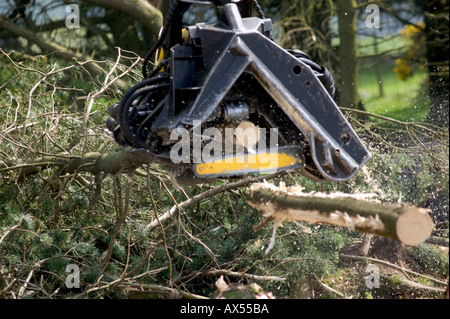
414,226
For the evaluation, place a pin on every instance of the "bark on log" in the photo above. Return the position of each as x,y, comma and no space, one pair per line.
402,222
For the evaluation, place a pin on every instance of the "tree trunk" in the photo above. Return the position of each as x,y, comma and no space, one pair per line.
437,35
348,53
407,224
378,68
125,160
131,37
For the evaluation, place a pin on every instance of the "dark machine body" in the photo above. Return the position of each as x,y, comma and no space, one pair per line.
223,74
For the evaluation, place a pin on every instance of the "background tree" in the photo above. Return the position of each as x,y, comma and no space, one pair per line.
428,23
436,20
132,25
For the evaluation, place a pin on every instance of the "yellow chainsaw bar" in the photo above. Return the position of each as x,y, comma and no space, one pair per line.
264,162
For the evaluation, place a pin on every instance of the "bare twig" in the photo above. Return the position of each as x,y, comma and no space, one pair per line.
329,289
10,230
92,97
124,214
24,287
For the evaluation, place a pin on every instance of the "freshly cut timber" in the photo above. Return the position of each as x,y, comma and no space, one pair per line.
225,101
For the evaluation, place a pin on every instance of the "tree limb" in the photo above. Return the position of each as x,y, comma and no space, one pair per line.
329,289
141,10
385,263
229,273
49,46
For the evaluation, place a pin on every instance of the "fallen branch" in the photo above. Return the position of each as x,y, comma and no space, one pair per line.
401,222
388,264
409,285
9,231
93,96
329,289
440,241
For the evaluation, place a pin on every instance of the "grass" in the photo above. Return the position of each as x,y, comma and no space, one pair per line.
394,44
402,100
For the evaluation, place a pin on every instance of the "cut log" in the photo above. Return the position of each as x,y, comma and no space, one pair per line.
407,224
414,226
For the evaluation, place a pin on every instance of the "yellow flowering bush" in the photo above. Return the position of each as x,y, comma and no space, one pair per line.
415,56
